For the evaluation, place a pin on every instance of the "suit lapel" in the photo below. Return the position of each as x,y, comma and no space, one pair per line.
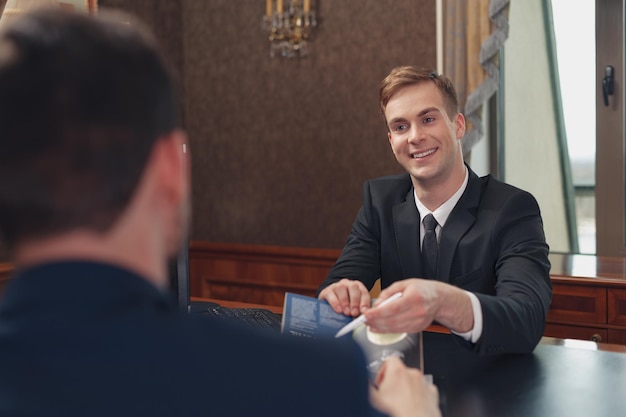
461,219
406,221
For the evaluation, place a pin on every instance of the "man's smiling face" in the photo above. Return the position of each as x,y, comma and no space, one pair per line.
423,137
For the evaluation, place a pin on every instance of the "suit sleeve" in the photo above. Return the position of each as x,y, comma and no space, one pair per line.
514,317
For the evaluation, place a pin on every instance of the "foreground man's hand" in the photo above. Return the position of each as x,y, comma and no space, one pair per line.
403,392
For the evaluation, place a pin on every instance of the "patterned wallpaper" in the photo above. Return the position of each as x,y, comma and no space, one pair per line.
281,148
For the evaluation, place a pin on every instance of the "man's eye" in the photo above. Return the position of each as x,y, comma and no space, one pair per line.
400,128
429,119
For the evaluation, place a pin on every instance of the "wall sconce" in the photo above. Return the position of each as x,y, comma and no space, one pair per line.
289,24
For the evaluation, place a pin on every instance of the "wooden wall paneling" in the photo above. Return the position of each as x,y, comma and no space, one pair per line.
255,273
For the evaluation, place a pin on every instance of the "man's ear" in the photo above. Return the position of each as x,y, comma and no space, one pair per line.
172,158
459,121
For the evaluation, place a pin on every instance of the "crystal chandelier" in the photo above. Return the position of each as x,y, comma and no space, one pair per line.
289,24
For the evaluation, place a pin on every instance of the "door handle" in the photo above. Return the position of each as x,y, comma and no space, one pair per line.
607,83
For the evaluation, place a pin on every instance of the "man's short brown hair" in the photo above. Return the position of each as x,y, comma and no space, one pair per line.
405,76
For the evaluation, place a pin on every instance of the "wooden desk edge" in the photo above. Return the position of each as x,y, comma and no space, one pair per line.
237,304
583,344
570,343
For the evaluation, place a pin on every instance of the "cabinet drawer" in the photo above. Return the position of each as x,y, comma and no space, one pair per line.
617,307
574,332
578,304
617,336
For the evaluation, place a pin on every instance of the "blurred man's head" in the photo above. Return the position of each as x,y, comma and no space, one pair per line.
83,102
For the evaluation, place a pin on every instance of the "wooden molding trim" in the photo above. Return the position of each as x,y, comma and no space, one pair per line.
256,273
280,254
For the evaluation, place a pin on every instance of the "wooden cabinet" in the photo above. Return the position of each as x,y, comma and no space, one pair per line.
596,334
617,336
617,307
588,298
577,303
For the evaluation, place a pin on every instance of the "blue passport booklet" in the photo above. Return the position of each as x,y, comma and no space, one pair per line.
310,317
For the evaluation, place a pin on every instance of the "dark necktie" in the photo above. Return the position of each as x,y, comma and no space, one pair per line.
430,247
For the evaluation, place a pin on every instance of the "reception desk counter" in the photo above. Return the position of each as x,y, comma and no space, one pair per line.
561,378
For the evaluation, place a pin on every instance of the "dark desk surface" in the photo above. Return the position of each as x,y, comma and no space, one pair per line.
554,381
561,378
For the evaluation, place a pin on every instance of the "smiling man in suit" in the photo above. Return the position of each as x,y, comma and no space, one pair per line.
485,276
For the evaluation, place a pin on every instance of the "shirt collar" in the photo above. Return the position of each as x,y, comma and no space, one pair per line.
442,212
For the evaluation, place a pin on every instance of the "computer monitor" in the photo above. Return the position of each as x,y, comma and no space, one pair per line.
179,278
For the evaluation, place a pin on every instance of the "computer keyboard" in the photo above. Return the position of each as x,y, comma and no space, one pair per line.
253,317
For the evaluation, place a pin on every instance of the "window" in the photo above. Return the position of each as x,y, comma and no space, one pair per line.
574,32
556,137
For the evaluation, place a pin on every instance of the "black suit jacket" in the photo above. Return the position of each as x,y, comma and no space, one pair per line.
492,244
86,339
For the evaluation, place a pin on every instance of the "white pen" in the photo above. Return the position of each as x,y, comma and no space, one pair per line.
361,319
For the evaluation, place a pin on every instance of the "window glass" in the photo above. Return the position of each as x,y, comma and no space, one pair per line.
574,30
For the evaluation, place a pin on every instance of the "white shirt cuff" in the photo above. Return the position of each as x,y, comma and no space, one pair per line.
474,334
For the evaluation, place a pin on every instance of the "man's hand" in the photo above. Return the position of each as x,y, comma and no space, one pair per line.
422,302
403,392
349,297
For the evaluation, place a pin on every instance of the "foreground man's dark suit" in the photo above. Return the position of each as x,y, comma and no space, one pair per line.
492,244
86,339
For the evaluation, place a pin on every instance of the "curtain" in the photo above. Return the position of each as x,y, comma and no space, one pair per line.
474,32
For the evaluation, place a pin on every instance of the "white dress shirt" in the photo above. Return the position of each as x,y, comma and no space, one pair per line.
441,214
